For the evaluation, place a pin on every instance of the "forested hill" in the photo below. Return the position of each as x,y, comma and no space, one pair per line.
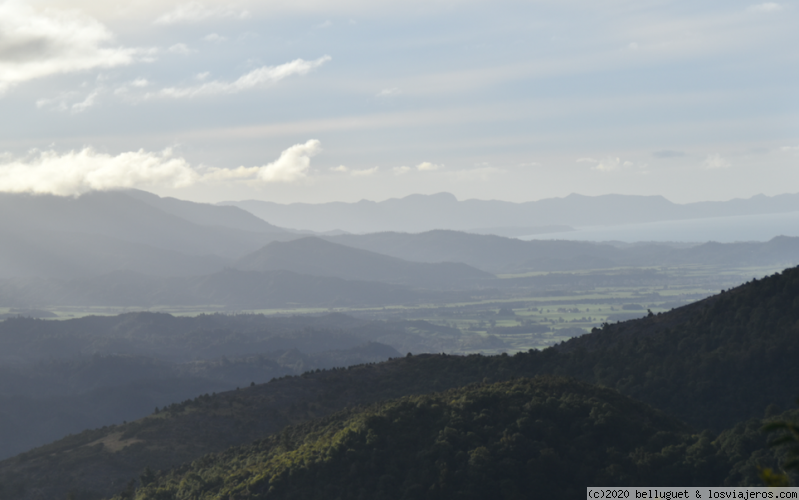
711,364
545,437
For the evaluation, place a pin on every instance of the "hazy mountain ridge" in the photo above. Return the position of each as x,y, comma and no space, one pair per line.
319,257
419,213
60,377
499,255
224,290
62,236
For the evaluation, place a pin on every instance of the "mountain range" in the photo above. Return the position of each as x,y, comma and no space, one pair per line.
418,213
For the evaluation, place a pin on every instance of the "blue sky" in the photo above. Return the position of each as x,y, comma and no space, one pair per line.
322,101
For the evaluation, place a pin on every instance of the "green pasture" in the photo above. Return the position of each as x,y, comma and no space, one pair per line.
564,313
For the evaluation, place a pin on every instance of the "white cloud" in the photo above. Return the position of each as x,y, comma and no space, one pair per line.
293,163
215,38
609,164
180,48
73,101
140,82
789,148
427,166
36,45
76,172
325,24
194,12
291,166
256,78
357,173
632,45
365,172
401,170
389,92
202,76
85,104
715,161
765,7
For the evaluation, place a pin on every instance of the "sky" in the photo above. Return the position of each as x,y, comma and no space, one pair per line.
314,101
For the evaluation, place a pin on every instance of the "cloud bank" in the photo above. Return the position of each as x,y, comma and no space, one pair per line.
35,45
257,78
77,172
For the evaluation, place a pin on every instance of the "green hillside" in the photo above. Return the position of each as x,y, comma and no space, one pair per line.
550,436
712,364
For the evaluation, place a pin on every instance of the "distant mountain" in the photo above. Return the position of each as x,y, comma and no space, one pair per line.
65,255
508,255
206,214
99,232
61,377
318,257
226,289
418,213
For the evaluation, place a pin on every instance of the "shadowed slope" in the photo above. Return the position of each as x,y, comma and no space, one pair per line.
315,256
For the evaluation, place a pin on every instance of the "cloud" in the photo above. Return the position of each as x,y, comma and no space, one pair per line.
427,166
325,24
765,7
291,166
194,12
401,170
85,104
77,172
389,92
715,161
72,101
789,148
213,37
357,173
667,153
365,172
254,79
181,49
608,164
36,45
140,82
